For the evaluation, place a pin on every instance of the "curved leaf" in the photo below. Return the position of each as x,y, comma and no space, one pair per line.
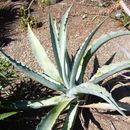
122,106
96,45
41,56
108,70
64,56
93,89
48,121
55,44
71,115
42,78
32,104
46,102
80,53
7,114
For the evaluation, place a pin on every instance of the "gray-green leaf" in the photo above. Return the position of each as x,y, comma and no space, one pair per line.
42,78
93,89
41,56
80,53
33,104
7,114
64,56
70,119
48,121
97,44
108,70
55,43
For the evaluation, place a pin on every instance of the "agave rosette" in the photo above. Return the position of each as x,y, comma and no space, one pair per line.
67,77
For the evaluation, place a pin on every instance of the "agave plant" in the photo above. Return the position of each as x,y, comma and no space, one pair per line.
67,77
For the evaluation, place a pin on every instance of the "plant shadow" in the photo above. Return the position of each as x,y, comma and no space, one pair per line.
120,92
84,118
9,13
119,84
97,65
26,90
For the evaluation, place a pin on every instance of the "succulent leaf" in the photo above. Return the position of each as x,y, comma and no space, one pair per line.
96,45
33,104
93,89
48,121
46,102
80,53
122,106
71,115
108,70
41,56
55,43
42,78
7,114
64,56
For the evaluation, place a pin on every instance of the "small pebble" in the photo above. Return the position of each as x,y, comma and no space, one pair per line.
118,15
84,16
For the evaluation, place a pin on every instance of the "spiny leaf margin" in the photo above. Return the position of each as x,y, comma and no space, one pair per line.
42,78
48,121
41,56
94,89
